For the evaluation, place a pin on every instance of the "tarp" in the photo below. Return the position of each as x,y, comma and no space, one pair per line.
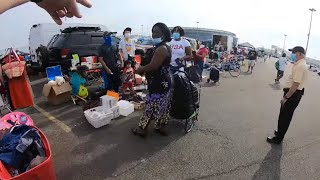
246,44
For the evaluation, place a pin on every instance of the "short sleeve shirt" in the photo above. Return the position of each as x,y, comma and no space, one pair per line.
298,74
203,51
127,47
109,54
178,50
252,55
282,63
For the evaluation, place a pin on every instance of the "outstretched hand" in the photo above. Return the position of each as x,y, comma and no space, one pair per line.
61,8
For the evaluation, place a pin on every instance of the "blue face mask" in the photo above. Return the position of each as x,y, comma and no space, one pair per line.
176,36
293,57
108,40
157,41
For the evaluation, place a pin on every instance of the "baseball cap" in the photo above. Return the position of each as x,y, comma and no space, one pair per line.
107,33
127,29
298,49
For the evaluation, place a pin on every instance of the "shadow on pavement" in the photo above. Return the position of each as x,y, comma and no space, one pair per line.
114,150
270,168
210,84
276,87
246,73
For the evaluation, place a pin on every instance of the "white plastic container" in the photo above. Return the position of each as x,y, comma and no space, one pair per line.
115,111
98,117
108,102
125,108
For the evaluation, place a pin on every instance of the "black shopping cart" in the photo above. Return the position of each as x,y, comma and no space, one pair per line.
186,100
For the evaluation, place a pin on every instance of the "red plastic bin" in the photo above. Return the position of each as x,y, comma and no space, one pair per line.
44,171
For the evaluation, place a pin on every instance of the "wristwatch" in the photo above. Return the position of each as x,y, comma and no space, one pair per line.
36,1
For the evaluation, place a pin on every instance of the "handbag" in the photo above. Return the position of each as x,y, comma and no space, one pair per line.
14,66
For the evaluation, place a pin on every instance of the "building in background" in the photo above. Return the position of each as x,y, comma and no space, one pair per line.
212,37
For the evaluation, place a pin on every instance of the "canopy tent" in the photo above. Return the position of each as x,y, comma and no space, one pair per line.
246,44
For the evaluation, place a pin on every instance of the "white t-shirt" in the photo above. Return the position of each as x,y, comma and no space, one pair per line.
128,48
282,63
178,50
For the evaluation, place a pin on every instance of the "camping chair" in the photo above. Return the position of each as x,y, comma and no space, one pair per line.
54,71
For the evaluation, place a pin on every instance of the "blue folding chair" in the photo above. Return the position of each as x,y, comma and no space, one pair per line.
53,71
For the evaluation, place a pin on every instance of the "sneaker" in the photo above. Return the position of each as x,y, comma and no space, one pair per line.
274,140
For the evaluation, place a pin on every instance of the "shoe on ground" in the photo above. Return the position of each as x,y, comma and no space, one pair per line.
274,140
276,133
139,132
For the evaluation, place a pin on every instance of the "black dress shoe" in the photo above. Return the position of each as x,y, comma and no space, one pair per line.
274,140
276,133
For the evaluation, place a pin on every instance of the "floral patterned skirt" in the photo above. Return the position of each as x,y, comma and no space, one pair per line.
157,109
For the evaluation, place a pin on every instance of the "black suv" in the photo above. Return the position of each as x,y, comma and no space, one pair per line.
84,41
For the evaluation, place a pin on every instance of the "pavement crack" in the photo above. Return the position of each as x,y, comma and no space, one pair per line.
133,166
227,172
240,167
212,132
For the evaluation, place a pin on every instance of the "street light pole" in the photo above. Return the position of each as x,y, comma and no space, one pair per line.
284,42
312,10
197,30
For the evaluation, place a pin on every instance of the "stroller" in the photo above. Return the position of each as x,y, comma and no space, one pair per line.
186,100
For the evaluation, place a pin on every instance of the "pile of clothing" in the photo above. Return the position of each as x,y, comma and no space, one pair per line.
21,149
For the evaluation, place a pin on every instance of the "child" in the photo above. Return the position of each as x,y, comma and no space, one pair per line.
78,82
128,76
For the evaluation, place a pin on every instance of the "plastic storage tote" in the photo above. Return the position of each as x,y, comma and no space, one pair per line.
16,118
108,102
98,116
115,111
125,108
44,171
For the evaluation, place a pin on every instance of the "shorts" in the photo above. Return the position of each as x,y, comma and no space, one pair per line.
280,73
251,63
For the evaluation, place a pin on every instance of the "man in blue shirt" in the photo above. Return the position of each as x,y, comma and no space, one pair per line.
282,66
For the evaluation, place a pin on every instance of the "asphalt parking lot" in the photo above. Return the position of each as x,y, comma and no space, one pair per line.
228,141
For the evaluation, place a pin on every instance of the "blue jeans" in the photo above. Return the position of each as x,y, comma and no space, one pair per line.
105,79
112,81
199,64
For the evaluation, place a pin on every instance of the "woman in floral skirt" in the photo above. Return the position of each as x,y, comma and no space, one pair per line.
160,87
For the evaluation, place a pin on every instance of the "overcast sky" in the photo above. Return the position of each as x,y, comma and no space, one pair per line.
260,22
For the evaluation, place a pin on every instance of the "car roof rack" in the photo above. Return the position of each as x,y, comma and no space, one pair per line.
80,29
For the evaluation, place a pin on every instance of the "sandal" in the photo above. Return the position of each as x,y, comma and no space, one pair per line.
139,132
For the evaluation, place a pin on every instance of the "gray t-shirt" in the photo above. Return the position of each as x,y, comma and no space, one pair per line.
109,54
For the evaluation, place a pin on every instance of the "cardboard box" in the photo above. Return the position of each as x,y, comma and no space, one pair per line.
57,94
138,105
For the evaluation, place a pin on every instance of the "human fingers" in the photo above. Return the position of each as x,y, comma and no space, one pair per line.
73,9
61,13
86,3
69,14
55,16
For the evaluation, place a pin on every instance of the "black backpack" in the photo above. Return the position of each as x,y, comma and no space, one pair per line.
214,74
